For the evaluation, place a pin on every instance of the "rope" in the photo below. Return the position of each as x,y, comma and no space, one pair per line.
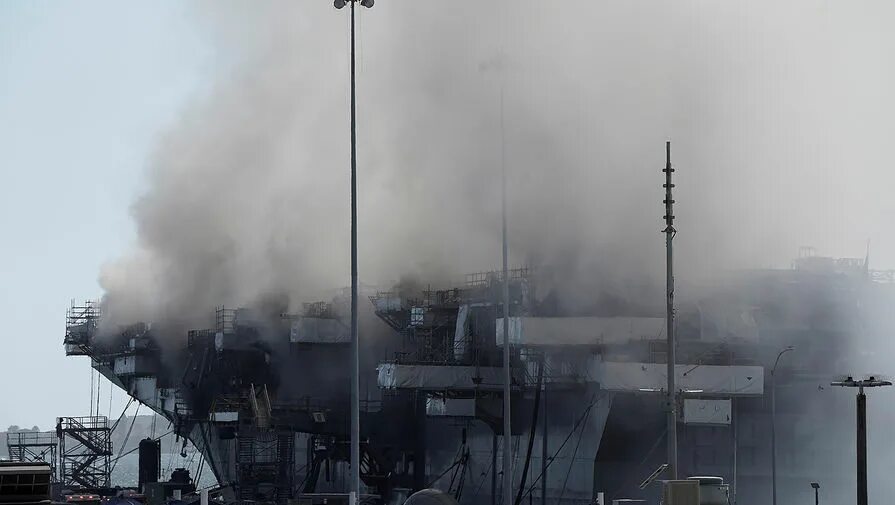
531,433
457,459
126,437
99,384
572,461
115,425
200,466
569,436
91,388
648,454
135,449
484,475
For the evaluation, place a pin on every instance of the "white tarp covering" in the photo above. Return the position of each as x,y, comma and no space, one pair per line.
450,407
316,330
438,377
699,411
579,330
460,332
387,303
224,417
168,398
143,389
694,379
133,365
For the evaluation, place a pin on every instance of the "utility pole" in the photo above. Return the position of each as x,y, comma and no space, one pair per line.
671,400
861,404
774,425
355,348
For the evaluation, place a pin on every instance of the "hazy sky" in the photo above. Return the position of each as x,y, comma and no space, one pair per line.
780,112
85,88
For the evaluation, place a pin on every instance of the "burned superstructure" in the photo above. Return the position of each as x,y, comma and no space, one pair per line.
264,395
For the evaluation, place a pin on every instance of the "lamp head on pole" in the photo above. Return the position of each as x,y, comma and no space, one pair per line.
869,382
338,4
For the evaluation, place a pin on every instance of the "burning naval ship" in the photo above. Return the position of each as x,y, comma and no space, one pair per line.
265,395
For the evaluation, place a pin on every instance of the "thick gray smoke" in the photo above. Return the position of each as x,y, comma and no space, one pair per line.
779,115
247,195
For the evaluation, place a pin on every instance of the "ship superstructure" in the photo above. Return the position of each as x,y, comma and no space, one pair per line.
265,395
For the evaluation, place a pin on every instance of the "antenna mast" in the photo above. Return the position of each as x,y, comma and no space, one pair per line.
669,314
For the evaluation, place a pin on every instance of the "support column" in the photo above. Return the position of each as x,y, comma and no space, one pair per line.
862,447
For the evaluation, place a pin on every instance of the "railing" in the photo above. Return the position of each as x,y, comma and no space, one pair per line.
486,278
31,438
318,309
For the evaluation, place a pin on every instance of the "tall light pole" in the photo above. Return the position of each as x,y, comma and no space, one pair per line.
861,404
774,425
671,400
355,350
507,392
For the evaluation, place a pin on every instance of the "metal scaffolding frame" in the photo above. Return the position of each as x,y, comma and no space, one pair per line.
33,447
266,460
80,325
85,449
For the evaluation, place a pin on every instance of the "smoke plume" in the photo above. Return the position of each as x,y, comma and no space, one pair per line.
247,194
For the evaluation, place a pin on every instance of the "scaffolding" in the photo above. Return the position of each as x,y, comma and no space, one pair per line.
266,460
85,449
478,279
80,325
225,320
33,447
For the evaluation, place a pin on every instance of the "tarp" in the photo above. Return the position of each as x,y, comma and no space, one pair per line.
387,303
450,407
316,330
538,331
438,377
700,411
693,379
460,332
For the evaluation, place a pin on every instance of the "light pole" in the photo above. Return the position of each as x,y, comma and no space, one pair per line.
507,377
816,487
355,351
774,424
861,400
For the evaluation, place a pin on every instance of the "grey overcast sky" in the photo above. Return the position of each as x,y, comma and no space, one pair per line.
85,88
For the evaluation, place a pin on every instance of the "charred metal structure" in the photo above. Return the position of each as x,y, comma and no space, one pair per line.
264,395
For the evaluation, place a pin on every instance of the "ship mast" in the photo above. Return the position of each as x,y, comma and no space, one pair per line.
671,397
